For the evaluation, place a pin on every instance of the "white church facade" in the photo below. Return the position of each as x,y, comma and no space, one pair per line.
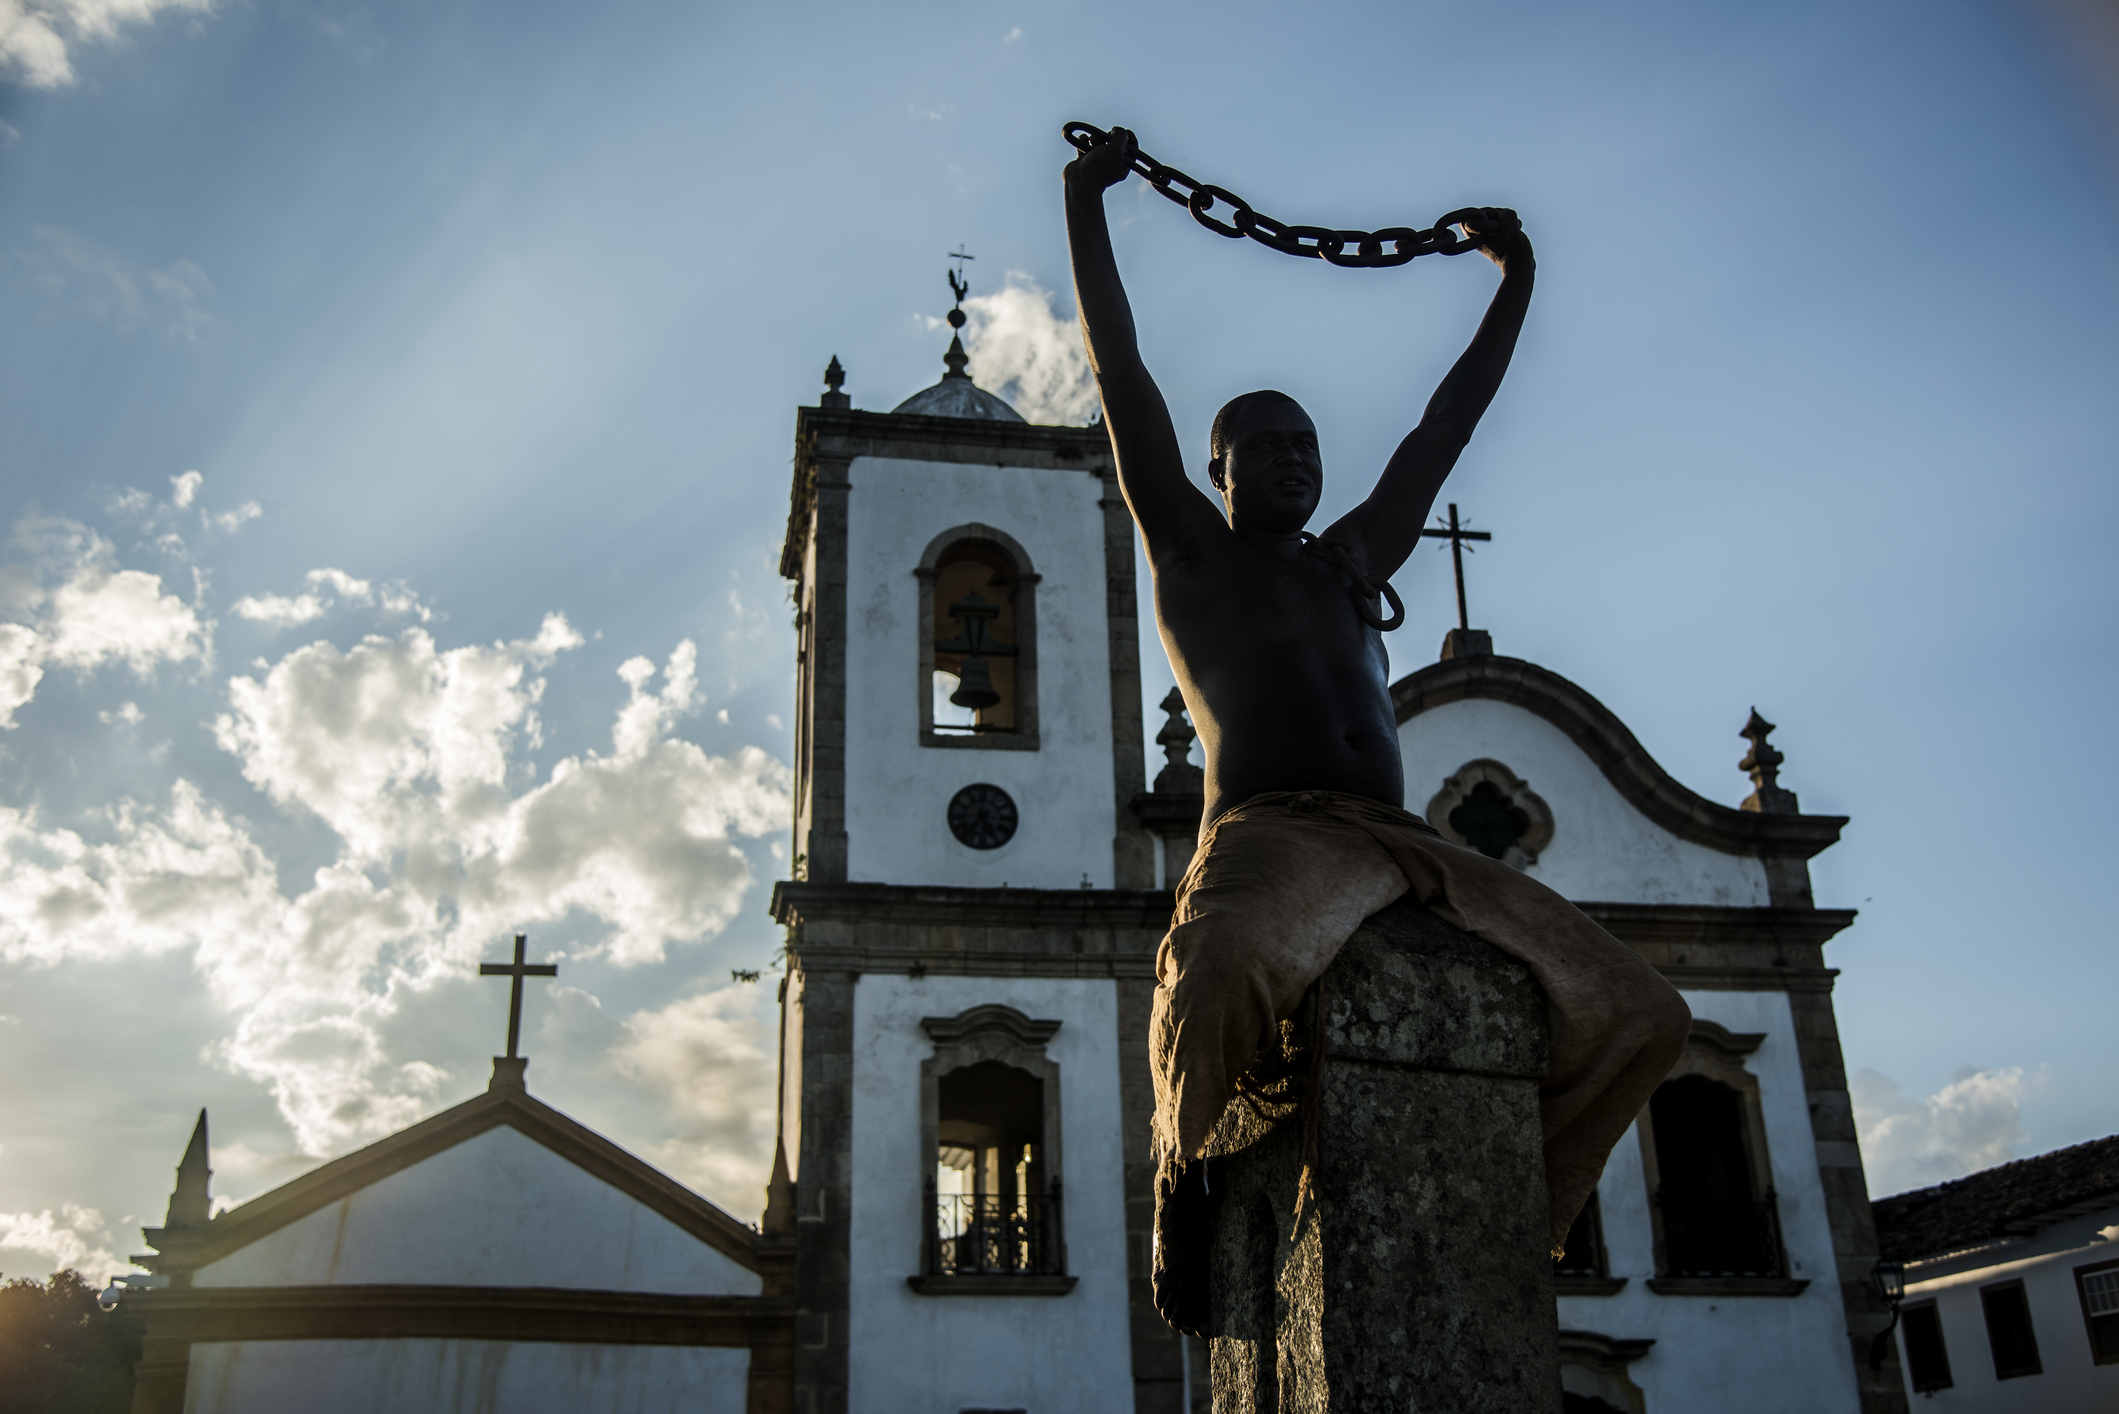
958,1217
983,899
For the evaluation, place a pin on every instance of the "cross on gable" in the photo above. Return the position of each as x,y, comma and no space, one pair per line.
1456,535
517,970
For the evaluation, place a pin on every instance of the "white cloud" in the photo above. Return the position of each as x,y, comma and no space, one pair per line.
279,610
707,1056
69,605
1023,351
343,584
1972,1123
71,1238
412,756
329,587
183,490
236,519
35,34
112,290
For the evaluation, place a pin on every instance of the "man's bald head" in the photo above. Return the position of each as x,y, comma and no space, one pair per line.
1230,419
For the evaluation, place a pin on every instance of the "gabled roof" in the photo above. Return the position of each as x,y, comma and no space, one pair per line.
2014,1200
1602,737
187,1248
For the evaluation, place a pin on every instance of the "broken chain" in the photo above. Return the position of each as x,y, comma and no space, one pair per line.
1357,249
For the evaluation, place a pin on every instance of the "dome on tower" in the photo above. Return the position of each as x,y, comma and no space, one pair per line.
956,395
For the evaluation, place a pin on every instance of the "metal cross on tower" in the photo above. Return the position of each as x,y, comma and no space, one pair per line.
1456,535
518,969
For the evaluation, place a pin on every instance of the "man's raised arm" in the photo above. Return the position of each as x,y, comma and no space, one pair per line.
1151,468
1386,527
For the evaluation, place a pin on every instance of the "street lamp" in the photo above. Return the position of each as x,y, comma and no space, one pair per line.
1888,1280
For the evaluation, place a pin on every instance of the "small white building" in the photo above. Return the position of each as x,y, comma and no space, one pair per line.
2012,1285
498,1256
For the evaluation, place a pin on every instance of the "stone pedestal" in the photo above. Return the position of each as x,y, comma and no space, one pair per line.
1418,1275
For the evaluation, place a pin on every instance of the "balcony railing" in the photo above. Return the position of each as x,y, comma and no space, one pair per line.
984,1235
1722,1240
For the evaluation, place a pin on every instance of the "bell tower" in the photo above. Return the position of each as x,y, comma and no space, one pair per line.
972,923
968,699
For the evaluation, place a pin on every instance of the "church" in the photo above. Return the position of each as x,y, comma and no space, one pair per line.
958,1216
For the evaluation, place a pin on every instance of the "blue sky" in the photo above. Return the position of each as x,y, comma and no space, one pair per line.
501,313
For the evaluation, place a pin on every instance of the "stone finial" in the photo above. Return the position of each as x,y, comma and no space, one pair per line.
508,1073
1467,643
956,360
834,379
779,1219
1764,763
1175,738
190,1205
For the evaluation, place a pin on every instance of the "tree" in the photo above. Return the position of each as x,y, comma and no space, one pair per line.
60,1353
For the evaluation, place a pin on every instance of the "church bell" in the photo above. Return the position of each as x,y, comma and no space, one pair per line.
974,686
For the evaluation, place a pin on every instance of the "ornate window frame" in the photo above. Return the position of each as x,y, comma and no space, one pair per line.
1594,1364
991,1032
1024,737
1718,1054
1517,792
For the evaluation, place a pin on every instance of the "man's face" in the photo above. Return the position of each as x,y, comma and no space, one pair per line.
1271,475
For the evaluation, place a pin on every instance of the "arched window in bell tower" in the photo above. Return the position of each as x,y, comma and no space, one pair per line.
977,672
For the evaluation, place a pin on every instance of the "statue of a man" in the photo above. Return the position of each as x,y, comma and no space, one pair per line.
1273,635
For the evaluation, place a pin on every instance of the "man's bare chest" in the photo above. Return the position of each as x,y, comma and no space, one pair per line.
1302,610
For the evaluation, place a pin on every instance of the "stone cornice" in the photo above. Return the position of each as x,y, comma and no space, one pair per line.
950,1030
841,434
1675,924
913,930
354,1312
939,905
1734,1045
1618,754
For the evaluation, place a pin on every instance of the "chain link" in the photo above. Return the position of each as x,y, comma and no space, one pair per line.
1357,249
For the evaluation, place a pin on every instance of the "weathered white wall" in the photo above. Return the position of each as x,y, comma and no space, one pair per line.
1055,1355
1602,849
462,1377
2045,1264
496,1210
897,792
1733,1355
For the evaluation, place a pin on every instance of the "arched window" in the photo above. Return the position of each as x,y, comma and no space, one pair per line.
990,1169
978,641
990,1116
1703,1141
1712,1221
1583,1257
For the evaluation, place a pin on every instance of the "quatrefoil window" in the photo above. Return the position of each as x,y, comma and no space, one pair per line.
1486,807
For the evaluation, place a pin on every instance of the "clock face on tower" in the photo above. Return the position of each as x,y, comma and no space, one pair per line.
982,816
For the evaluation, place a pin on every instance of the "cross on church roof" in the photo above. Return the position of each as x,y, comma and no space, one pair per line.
518,969
1456,535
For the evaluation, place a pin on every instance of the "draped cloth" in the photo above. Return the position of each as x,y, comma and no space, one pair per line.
1277,886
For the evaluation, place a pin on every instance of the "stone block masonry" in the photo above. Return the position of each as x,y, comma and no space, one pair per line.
1415,1275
